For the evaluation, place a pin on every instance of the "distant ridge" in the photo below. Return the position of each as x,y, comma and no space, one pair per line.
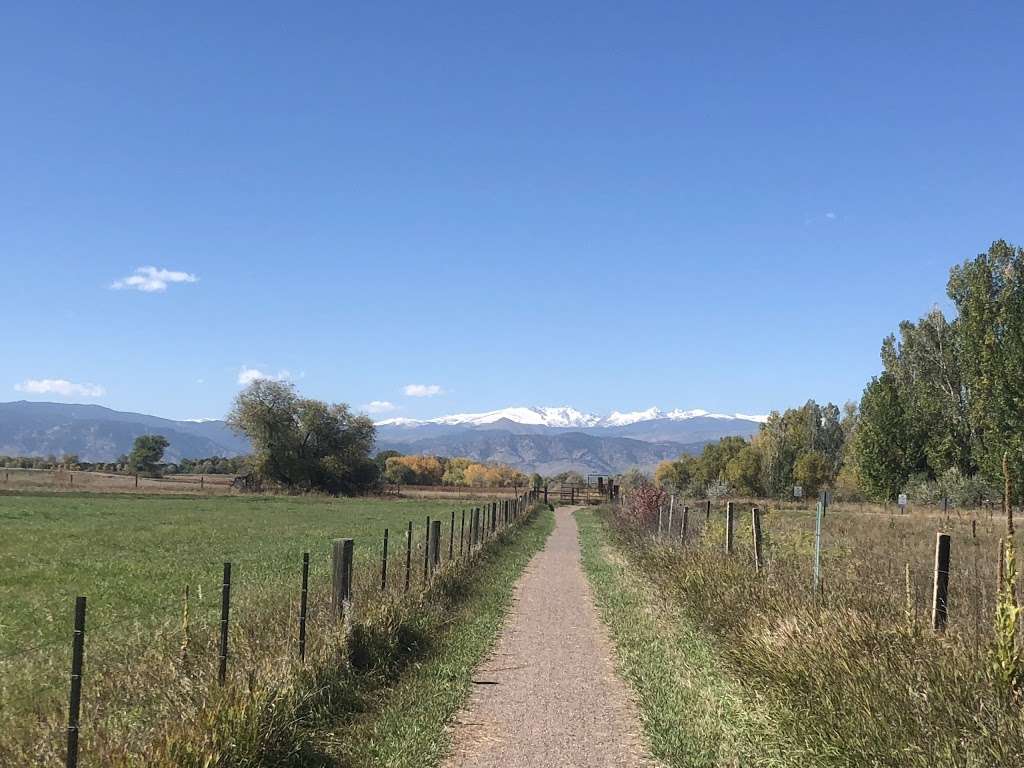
546,440
96,433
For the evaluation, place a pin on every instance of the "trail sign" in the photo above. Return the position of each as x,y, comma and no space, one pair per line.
798,492
902,501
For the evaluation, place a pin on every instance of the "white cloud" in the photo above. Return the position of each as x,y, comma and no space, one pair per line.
379,406
61,387
423,390
248,375
830,215
153,280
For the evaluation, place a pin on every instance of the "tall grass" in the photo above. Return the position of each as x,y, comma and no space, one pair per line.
854,670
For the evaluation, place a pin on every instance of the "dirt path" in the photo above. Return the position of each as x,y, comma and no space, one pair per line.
548,695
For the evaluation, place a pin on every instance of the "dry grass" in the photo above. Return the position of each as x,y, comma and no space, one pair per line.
61,481
855,671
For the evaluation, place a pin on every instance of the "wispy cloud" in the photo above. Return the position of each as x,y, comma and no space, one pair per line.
153,280
248,375
423,390
830,215
379,406
61,387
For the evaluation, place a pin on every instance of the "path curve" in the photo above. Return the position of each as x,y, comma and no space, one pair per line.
548,695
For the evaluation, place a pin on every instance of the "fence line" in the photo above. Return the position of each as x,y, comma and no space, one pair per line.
486,530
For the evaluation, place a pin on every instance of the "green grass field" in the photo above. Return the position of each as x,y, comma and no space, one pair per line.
133,557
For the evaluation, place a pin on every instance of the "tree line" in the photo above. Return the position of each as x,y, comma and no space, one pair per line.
935,423
441,470
308,445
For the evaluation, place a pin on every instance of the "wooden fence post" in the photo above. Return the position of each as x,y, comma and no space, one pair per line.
545,493
408,556
75,698
755,523
940,593
426,550
341,575
462,532
660,513
729,522
707,514
671,510
685,522
451,537
384,564
225,610
303,606
435,546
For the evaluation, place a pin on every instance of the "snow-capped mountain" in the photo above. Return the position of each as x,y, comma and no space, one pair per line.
556,438
565,417
543,417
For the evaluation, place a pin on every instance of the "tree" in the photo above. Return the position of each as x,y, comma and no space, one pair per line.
381,459
886,453
304,444
926,366
398,472
147,453
989,297
743,472
811,471
676,475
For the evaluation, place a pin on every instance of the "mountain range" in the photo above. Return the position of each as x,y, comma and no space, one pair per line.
96,433
546,440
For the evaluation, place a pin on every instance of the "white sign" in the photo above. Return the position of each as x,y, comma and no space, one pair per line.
798,492
902,500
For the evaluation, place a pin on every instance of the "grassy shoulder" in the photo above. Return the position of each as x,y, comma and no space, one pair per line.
847,676
694,714
407,726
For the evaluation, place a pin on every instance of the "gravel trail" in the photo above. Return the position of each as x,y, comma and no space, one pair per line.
549,695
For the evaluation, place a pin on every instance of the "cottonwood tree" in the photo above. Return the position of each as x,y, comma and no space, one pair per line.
147,453
989,296
304,444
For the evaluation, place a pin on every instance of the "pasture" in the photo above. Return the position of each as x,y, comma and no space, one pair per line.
133,556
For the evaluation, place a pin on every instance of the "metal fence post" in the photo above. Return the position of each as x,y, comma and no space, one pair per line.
75,698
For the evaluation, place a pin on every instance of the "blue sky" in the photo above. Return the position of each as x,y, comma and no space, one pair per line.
608,205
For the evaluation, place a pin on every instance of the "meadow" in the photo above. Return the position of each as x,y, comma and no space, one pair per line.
851,674
148,648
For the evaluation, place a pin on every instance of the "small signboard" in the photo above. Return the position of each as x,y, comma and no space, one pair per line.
798,492
902,500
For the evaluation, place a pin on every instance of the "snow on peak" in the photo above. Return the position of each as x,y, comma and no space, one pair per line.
562,416
399,421
619,419
760,418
